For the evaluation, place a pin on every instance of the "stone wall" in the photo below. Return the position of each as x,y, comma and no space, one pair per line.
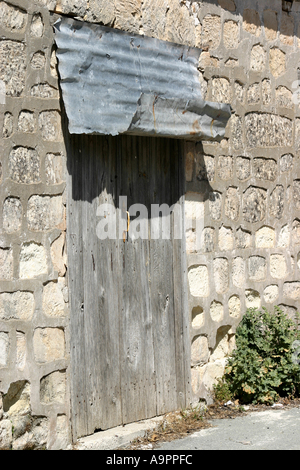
245,190
34,411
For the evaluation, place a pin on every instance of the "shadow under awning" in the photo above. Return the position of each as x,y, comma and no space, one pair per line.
116,83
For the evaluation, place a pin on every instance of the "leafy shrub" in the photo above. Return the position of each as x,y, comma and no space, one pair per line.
262,368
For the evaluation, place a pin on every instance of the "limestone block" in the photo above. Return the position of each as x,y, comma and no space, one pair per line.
199,351
266,91
58,255
44,213
154,16
8,125
252,299
278,266
215,205
26,122
208,240
257,266
226,239
17,400
254,204
231,34
127,15
53,388
234,306
236,131
194,206
62,432
24,165
271,24
216,311
211,31
221,274
36,438
265,169
53,64
258,58
277,62
12,18
38,60
243,168
21,350
180,25
268,130
232,204
265,237
207,60
5,434
243,238
205,168
225,168
97,11
6,264
213,371
221,350
48,344
284,97
17,306
221,90
227,4
286,162
199,281
287,29
13,66
12,215
197,317
296,232
54,168
239,91
271,294
251,22
291,290
33,260
53,300
37,26
44,91
238,272
296,193
253,94
284,237
277,202
50,125
4,348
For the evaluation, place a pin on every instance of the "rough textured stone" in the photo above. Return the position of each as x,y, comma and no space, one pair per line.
286,162
38,60
268,130
291,290
5,434
53,300
17,306
243,168
180,25
54,168
197,317
238,272
258,58
58,255
12,215
12,18
44,90
26,122
6,263
221,274
254,204
234,306
4,348
154,14
34,439
232,204
296,232
215,205
225,168
252,299
265,237
199,281
207,60
271,294
205,168
62,432
44,212
21,350
287,29
13,66
284,97
265,169
236,131
199,351
226,239
16,402
266,92
243,239
239,91
53,388
24,165
8,125
257,268
216,311
231,34
277,62
208,240
50,125
278,266
211,31
221,90
271,24
37,26
284,237
33,260
253,94
277,202
251,22
48,344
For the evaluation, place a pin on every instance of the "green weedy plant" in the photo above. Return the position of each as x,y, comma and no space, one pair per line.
262,368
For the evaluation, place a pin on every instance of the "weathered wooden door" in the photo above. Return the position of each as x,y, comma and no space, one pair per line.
129,326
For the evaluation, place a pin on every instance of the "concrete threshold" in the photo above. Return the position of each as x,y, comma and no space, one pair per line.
114,438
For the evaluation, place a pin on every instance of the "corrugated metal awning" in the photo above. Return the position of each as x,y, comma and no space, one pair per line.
118,83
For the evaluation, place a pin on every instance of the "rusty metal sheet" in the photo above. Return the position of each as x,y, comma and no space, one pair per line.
116,83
